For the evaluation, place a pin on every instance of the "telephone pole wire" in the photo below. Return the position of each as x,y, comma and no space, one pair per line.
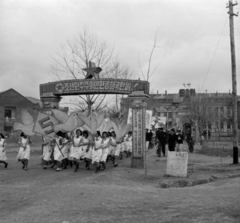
234,83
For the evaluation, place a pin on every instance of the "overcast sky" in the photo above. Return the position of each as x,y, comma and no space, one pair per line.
195,34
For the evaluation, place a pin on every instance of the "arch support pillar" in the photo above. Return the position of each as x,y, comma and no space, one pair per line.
139,104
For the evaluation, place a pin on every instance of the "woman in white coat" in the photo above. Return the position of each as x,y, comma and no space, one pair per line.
24,150
97,151
105,151
3,157
76,148
57,153
47,150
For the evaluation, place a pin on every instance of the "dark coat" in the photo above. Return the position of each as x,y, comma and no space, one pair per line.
161,136
172,139
179,138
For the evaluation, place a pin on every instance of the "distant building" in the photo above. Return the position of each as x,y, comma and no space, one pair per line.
10,104
175,107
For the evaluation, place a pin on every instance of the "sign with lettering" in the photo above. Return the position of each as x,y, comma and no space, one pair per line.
137,132
44,124
93,86
148,118
177,164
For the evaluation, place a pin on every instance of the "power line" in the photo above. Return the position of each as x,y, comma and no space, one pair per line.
213,55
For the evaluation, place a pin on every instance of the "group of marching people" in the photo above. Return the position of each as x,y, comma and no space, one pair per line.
69,149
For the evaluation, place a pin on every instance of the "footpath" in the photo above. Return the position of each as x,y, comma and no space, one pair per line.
201,169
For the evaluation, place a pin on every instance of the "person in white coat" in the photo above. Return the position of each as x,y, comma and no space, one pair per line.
88,155
105,151
24,150
57,153
129,143
76,148
3,157
47,150
97,152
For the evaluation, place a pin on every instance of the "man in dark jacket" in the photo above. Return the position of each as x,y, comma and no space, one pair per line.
172,140
161,136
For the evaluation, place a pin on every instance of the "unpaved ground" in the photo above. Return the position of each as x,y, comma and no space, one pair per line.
118,194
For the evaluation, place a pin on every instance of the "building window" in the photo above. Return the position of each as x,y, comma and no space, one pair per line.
221,112
8,113
229,112
228,124
216,112
216,126
221,125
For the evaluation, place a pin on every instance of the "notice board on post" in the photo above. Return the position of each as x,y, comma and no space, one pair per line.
177,163
137,132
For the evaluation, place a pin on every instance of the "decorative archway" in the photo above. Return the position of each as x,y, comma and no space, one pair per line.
51,94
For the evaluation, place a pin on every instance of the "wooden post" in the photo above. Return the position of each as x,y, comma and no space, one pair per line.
234,83
139,104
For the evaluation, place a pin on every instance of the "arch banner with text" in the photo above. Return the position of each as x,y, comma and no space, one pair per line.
93,86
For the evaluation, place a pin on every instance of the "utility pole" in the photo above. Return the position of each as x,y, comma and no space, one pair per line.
234,83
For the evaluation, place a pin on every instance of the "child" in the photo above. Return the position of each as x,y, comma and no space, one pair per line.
3,157
191,144
24,150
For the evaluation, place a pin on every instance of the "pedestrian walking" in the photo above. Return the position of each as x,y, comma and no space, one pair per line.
129,143
172,140
76,150
47,150
57,153
3,157
161,137
105,145
24,150
180,138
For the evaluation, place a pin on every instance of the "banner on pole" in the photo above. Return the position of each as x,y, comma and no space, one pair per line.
44,124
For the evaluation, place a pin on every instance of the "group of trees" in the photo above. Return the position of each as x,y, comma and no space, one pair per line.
205,112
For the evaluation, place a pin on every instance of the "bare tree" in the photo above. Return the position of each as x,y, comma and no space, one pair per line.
70,61
202,112
150,69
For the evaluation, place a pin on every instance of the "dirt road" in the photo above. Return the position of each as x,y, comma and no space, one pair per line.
118,194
